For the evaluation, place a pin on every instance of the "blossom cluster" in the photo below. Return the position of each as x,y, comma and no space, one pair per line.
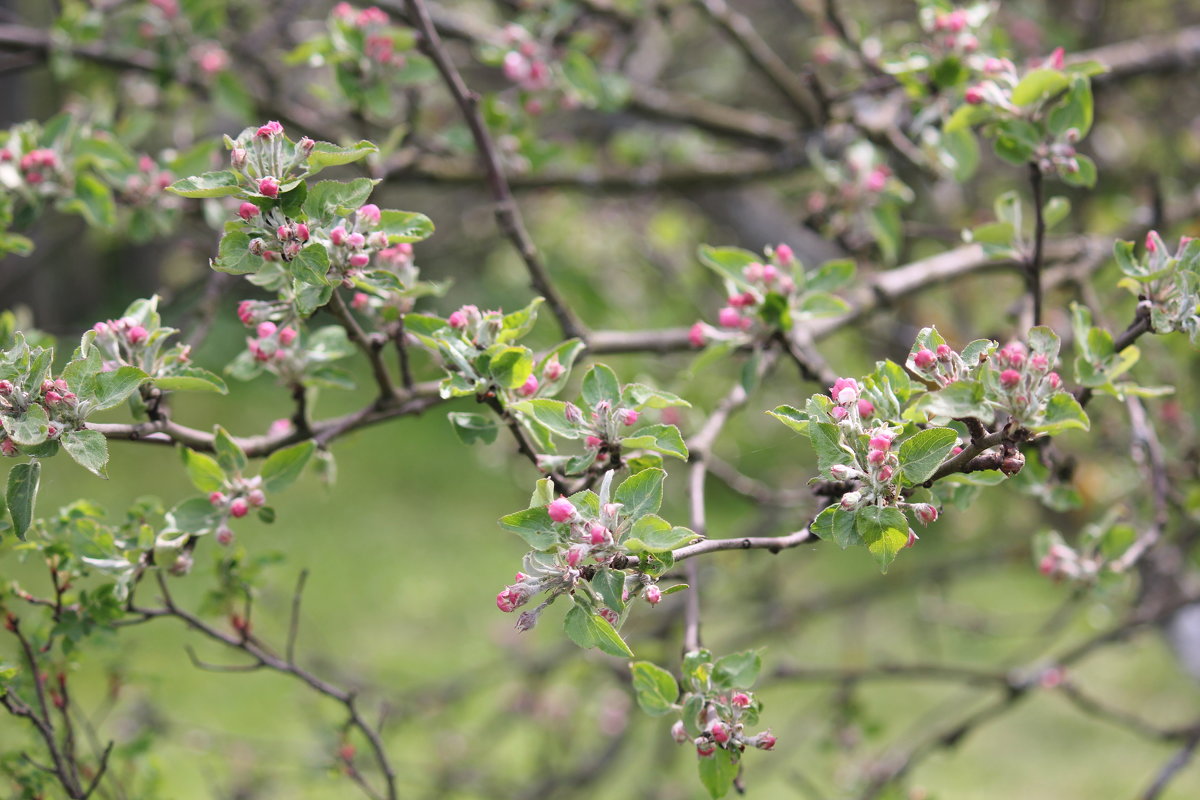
723,726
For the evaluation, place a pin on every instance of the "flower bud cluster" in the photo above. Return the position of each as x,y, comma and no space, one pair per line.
1025,381
740,315
1171,286
1063,562
942,366
267,160
240,495
378,45
722,721
121,341
64,410
953,32
526,63
145,187
38,167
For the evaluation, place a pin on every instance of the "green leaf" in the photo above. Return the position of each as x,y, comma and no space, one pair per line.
885,532
717,772
921,454
88,448
1038,84
590,630
326,154
284,466
958,399
94,201
329,199
1075,110
1055,211
112,388
962,150
737,670
234,256
653,534
203,470
793,417
29,429
23,482
230,455
836,523
1086,176
510,367
472,428
552,414
656,689
191,379
1062,413
533,525
600,383
664,439
520,322
641,493
826,438
311,265
610,584
405,226
728,262
210,184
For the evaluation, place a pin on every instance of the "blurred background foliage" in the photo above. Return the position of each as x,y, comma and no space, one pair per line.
404,553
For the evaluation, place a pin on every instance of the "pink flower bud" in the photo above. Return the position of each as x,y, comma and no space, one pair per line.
529,387
841,472
784,254
370,212
880,443
1054,381
974,95
705,748
876,180
257,498
245,312
764,741
338,236
877,457
923,359
239,508
1056,58
944,352
300,231
610,616
850,500
136,335
652,594
1048,564
696,337
678,732
265,329
719,732
912,538
865,407
287,336
271,129
356,240
740,700
838,412
507,601
6,388
925,513
360,301
53,397
597,533
248,210
561,510
754,272
224,536
237,157
575,554
553,370
1010,378
628,416
269,187
728,317
306,145
457,320
844,391
1039,362
593,442
8,447
217,498
885,474
283,233
573,414
359,260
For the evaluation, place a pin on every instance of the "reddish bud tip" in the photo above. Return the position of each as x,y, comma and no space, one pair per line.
239,508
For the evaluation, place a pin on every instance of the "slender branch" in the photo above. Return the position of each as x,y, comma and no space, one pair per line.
294,619
739,28
1033,265
387,390
1169,770
1147,452
508,215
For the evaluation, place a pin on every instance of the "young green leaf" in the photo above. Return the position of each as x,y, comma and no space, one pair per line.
284,466
656,689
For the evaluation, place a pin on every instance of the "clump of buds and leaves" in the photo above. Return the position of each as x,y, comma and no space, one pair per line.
884,439
768,294
601,549
1168,282
370,58
716,710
